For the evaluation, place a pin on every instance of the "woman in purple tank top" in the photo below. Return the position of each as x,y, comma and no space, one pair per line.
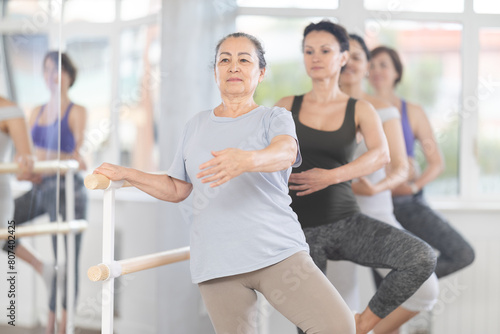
41,199
410,208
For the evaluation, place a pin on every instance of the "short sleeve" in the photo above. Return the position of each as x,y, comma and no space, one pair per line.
10,113
386,114
177,169
282,124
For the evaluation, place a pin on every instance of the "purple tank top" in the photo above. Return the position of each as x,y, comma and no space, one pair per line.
407,132
45,136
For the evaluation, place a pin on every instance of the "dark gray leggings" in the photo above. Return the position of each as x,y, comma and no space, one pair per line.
41,199
369,242
416,216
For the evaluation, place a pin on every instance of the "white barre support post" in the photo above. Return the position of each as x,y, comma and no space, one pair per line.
108,256
70,252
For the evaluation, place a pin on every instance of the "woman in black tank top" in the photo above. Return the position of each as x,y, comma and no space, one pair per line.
327,121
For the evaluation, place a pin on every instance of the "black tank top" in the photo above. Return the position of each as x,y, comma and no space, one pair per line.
327,150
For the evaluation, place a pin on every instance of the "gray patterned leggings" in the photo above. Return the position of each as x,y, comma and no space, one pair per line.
415,215
369,242
41,199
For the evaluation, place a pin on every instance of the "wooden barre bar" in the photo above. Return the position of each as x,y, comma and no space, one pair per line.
48,228
99,181
42,166
103,271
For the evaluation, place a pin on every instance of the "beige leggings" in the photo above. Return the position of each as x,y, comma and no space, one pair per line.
295,287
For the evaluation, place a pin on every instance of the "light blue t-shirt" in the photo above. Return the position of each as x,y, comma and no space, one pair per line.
245,224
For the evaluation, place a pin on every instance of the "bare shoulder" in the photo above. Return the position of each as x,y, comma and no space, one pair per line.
364,112
78,111
79,108
364,107
6,103
285,102
377,102
34,114
415,112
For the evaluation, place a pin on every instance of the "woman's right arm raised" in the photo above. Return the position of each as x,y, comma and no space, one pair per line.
163,187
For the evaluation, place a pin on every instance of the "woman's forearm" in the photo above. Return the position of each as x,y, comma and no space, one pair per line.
428,175
366,164
279,155
160,186
395,175
398,169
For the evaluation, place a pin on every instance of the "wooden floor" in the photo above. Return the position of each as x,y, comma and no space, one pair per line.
38,330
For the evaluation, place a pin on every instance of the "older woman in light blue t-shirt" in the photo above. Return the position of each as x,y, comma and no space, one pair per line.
246,238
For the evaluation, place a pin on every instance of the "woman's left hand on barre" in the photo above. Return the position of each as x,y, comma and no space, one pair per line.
112,172
26,163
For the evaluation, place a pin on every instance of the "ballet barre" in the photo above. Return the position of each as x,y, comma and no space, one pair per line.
102,271
99,181
75,226
46,166
68,168
109,269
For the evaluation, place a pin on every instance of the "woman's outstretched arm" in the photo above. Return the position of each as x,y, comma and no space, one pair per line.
163,187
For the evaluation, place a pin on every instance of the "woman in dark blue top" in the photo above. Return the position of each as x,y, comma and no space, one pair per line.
327,121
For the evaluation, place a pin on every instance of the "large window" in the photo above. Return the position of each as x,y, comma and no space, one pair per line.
326,4
432,38
487,6
139,91
92,89
443,6
285,73
488,100
430,54
24,57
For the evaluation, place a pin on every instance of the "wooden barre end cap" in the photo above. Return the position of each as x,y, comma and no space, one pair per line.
96,181
97,273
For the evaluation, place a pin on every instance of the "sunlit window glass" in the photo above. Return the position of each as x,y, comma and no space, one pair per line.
24,58
89,11
443,6
36,11
431,58
488,100
92,89
4,80
133,9
282,41
140,80
487,6
327,4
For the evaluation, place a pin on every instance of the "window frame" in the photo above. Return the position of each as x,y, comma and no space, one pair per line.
469,172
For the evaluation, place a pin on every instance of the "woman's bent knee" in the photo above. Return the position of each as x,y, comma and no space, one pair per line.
425,297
